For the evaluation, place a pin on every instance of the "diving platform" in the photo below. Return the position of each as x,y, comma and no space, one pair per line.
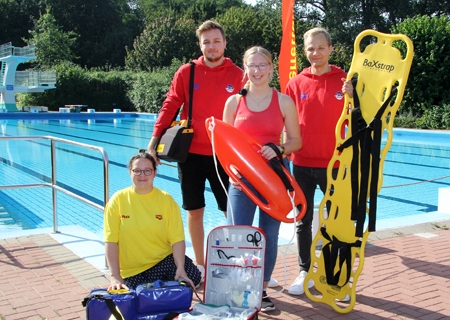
12,81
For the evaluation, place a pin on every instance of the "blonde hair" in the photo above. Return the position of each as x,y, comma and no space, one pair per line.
254,50
315,31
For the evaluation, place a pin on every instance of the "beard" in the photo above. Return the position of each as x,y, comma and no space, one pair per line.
213,58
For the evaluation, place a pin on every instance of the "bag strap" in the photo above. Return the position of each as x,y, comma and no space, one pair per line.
186,284
112,308
108,301
191,94
171,315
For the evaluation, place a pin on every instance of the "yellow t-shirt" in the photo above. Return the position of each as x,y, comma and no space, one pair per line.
144,225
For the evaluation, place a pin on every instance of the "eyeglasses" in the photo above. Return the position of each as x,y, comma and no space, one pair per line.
138,172
261,66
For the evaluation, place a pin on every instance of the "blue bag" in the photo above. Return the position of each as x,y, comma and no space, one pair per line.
161,300
163,297
101,305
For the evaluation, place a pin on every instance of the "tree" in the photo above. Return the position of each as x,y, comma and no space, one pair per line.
431,8
429,78
198,10
53,45
248,26
161,41
16,20
345,19
105,28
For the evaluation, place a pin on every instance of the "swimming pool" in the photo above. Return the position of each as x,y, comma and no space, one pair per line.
414,157
79,170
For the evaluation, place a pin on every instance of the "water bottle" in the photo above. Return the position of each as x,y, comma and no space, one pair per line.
247,292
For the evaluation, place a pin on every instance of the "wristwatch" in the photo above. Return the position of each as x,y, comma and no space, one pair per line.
281,148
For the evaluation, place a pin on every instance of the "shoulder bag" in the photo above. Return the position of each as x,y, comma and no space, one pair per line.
176,140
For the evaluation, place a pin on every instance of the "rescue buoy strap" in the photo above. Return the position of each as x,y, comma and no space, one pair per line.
277,165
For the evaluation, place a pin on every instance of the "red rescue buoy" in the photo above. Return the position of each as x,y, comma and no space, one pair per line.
237,151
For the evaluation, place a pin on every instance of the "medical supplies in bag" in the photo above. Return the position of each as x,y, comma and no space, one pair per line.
244,315
160,300
234,274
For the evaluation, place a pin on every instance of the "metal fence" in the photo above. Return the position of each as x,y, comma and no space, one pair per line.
53,185
35,78
8,49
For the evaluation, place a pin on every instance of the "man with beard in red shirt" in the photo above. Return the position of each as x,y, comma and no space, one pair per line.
215,79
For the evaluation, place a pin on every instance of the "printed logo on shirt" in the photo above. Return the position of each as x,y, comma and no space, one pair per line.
229,88
196,86
240,118
303,96
125,217
159,216
339,95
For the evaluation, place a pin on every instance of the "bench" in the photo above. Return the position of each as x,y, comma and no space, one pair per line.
74,108
34,109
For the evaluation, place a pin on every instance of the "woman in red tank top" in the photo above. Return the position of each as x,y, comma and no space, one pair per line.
263,112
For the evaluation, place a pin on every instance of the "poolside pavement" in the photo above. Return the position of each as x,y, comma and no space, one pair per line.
406,275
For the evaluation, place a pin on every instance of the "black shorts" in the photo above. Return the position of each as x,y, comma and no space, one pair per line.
193,175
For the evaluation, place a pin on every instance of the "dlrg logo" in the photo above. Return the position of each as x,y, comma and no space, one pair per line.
378,65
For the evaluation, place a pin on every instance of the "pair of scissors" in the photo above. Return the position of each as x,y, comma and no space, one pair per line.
254,238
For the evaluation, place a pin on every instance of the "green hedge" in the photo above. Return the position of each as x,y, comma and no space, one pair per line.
104,90
147,90
100,90
435,118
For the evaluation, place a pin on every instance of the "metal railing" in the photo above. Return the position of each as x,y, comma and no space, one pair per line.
2,73
53,184
35,78
27,51
6,49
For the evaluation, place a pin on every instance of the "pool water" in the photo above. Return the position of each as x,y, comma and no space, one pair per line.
415,157
79,170
416,166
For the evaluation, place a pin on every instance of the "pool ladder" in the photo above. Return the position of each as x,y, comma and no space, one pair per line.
53,184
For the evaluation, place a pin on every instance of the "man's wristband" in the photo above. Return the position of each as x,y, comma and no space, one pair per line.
281,148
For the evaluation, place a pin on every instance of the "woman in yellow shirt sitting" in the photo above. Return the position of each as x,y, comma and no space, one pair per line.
143,232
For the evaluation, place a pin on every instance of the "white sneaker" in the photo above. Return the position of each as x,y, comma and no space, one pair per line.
345,299
202,271
272,283
297,286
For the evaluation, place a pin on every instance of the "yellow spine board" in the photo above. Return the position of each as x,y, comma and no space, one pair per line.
378,67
